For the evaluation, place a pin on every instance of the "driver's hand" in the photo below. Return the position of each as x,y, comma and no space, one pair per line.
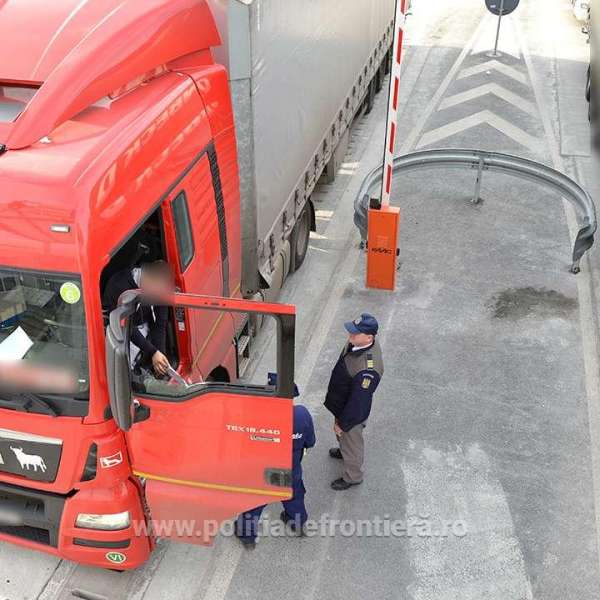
160,363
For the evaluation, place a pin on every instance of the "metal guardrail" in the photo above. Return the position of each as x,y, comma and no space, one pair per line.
481,161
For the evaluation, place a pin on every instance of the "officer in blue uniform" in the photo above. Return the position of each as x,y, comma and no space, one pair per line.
294,510
353,382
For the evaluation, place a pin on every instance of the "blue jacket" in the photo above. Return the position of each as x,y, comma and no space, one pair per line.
353,382
302,438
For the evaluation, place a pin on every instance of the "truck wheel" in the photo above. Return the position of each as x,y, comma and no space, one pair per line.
370,99
300,237
379,77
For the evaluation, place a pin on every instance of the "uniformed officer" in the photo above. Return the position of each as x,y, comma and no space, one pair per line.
354,379
294,510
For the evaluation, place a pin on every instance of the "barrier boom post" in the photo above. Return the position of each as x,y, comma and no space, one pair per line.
384,220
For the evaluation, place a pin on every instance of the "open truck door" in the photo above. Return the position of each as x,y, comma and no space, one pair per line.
204,451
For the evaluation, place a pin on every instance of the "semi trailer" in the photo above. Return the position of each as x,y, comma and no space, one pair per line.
124,140
299,75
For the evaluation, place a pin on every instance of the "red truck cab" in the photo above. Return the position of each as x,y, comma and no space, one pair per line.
118,147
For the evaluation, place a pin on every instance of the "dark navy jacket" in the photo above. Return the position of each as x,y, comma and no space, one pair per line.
156,317
353,381
302,438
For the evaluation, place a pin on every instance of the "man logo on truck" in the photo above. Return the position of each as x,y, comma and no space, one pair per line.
29,460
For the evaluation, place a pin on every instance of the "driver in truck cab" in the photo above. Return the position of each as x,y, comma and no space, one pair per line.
149,323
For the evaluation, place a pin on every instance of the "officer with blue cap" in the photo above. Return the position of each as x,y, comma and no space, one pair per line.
353,382
294,510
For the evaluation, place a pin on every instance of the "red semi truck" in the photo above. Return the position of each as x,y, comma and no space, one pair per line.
118,147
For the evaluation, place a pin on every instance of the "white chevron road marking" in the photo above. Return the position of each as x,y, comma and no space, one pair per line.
485,562
493,65
490,88
484,116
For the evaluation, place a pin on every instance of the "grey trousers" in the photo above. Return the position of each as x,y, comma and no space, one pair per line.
352,446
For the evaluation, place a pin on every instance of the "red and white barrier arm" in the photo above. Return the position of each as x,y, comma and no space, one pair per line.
390,138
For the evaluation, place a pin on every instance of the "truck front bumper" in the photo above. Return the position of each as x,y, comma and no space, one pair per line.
46,522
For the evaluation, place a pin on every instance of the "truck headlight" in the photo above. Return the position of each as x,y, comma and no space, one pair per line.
112,522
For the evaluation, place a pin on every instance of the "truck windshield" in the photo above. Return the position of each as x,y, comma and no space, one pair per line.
43,341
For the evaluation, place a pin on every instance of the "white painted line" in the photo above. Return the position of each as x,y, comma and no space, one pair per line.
480,559
585,290
493,65
56,583
483,117
494,89
322,552
411,141
225,568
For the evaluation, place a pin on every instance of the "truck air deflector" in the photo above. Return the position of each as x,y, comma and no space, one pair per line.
481,161
157,32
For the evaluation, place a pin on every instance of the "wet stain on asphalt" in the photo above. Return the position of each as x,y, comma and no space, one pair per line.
519,303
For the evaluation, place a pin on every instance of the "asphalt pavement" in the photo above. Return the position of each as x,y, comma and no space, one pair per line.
483,445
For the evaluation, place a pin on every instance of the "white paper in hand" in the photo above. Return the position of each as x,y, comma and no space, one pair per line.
15,346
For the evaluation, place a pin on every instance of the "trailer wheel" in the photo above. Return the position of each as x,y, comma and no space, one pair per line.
299,238
379,77
370,99
388,62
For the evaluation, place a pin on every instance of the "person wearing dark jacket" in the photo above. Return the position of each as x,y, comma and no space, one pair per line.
148,323
294,510
353,382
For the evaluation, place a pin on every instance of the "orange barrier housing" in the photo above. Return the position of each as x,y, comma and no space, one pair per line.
382,252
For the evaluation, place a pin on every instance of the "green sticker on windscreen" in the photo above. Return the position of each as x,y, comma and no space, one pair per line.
70,293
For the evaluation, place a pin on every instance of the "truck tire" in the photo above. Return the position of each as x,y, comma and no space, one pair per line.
370,99
379,77
299,238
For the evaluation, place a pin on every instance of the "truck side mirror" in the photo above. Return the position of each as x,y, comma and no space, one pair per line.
117,361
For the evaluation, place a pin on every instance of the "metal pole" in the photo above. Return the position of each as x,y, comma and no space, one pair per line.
495,52
476,194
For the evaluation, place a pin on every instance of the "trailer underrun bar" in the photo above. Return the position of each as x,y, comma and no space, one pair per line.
497,162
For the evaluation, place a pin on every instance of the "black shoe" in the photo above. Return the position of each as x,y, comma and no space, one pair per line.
292,523
335,453
341,484
248,544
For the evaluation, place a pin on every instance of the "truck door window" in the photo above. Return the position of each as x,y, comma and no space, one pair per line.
13,100
186,382
183,230
144,245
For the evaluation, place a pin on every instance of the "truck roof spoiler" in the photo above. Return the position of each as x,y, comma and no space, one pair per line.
134,39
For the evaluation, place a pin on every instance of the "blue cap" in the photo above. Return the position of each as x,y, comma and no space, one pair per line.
366,323
272,380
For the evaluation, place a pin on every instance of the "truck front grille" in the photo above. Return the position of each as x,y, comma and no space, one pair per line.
30,514
33,534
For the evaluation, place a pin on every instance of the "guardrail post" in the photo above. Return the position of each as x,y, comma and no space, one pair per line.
476,195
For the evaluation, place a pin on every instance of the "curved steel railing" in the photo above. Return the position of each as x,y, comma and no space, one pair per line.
490,161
